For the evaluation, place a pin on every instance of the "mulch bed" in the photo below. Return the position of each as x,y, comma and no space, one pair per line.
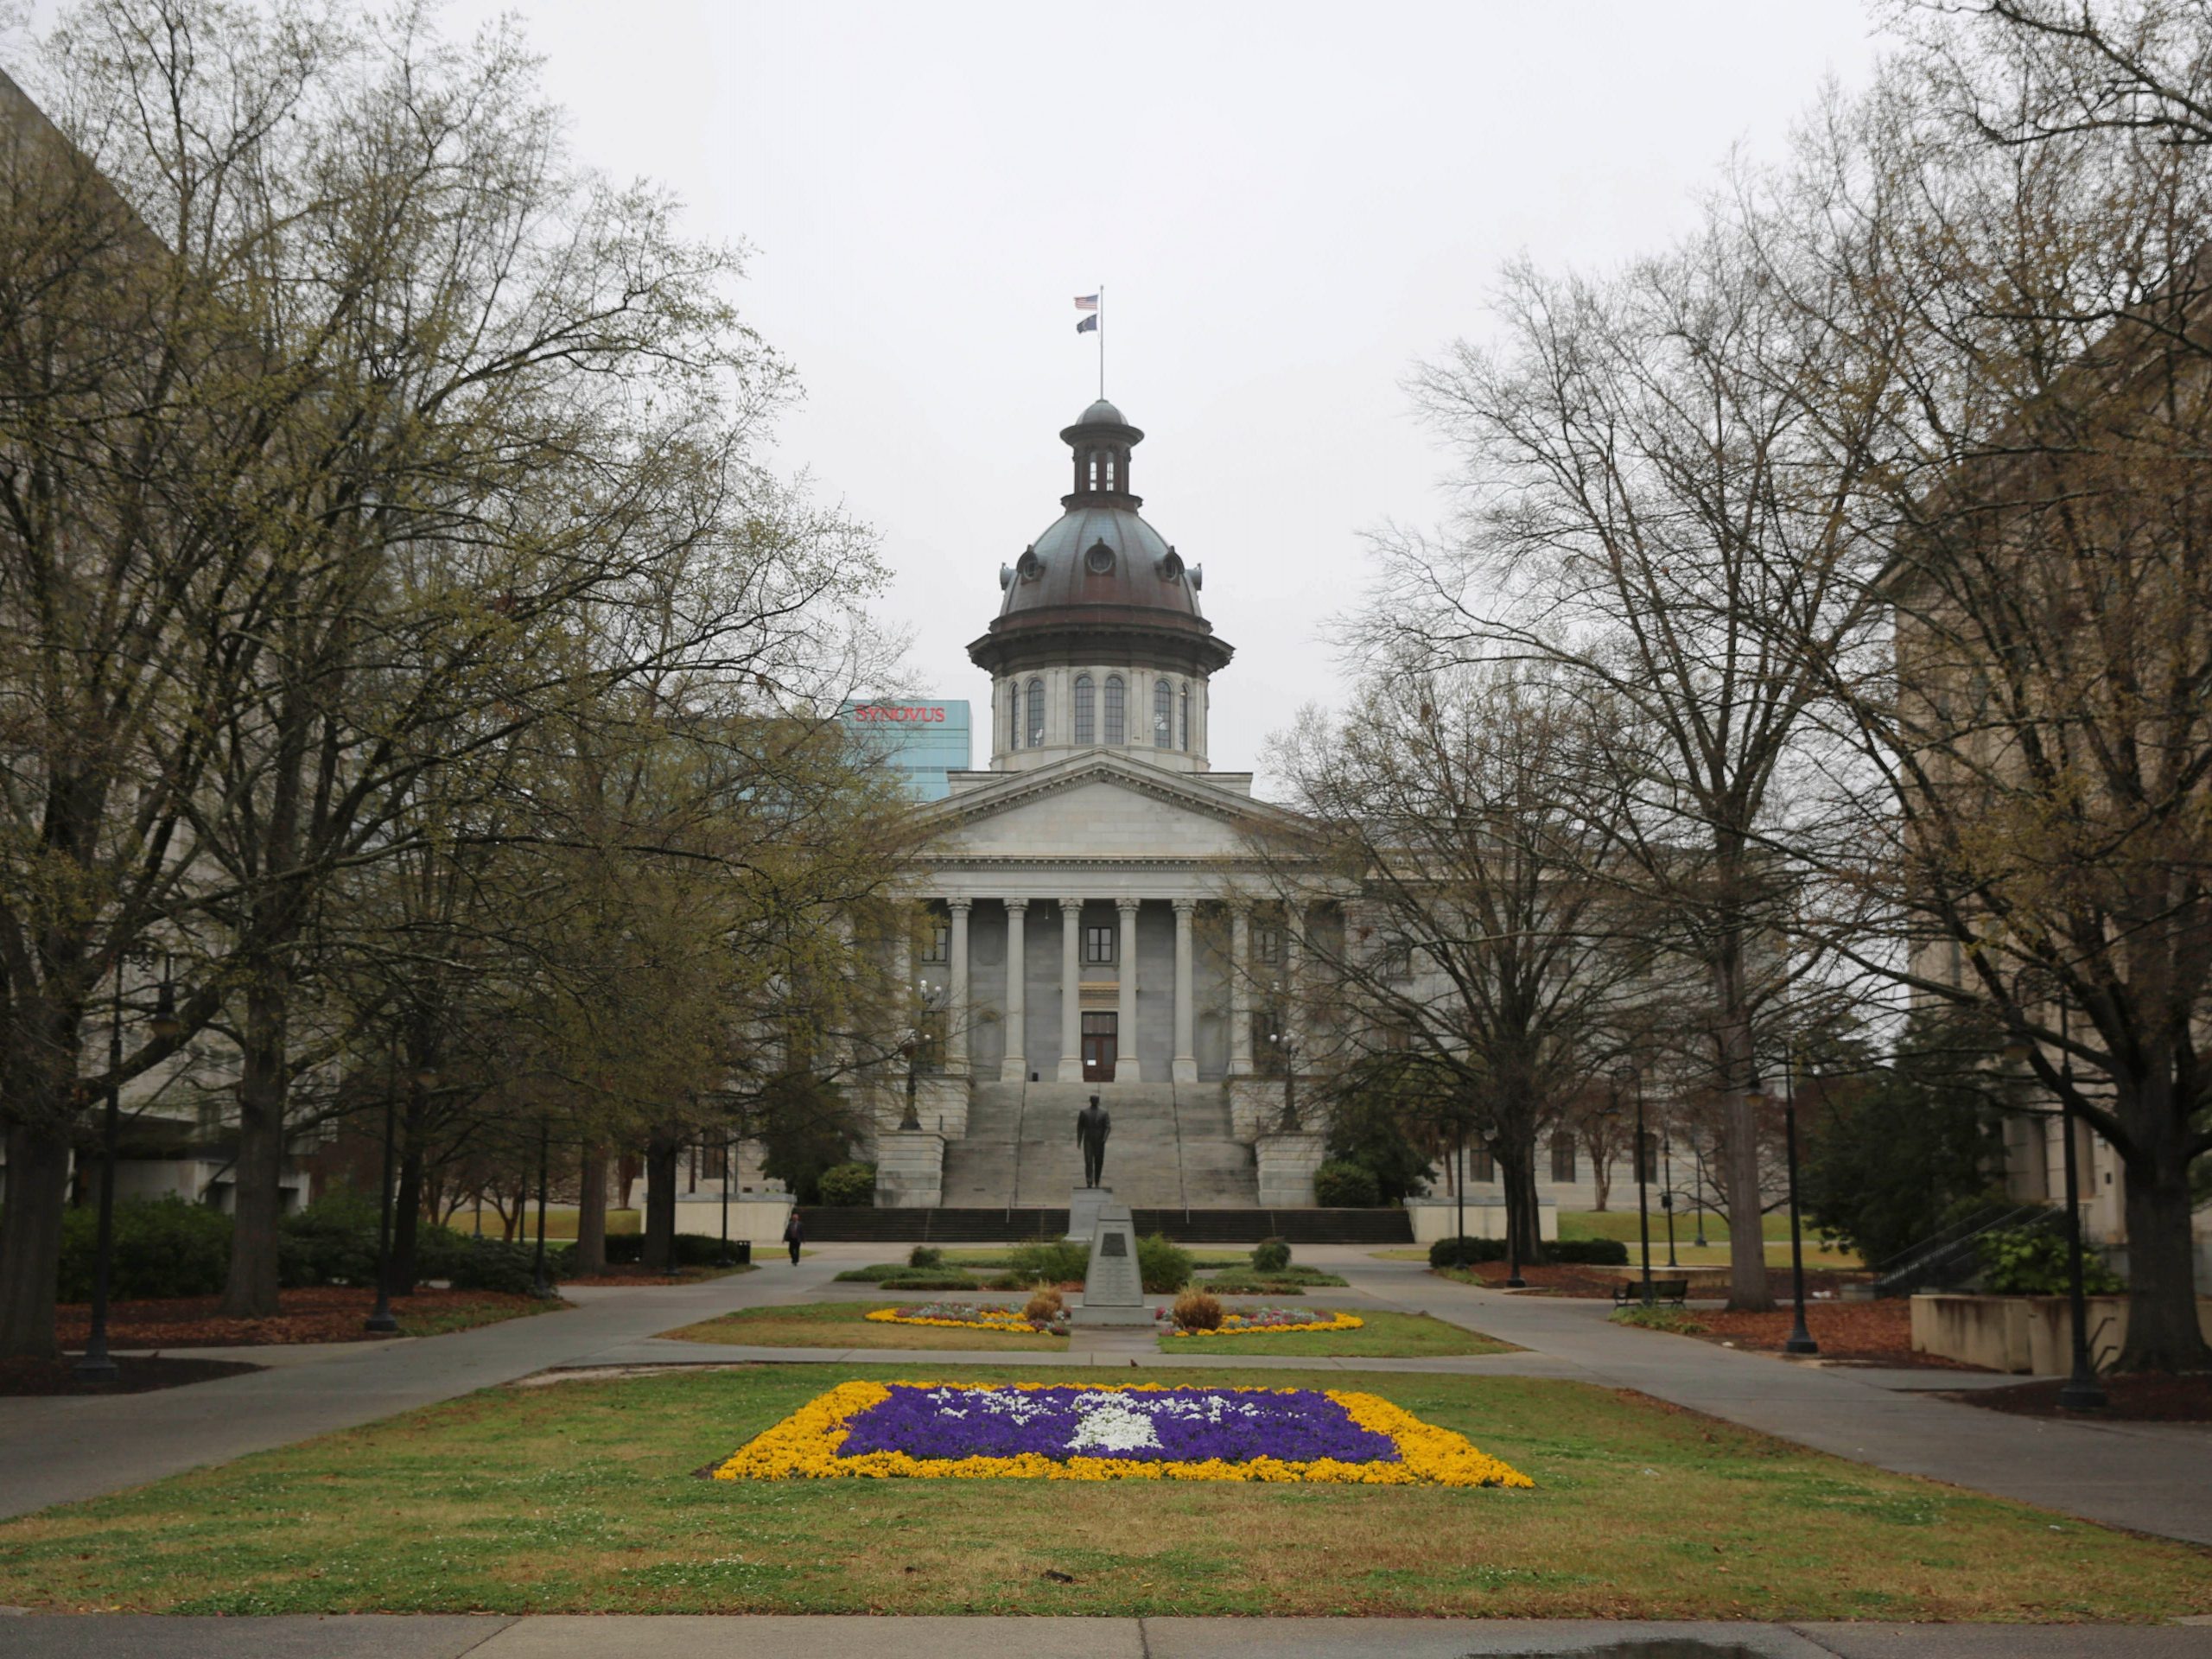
1565,1279
139,1373
2148,1398
327,1313
1871,1333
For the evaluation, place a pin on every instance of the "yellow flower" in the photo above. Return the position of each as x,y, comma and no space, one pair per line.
1333,1322
806,1445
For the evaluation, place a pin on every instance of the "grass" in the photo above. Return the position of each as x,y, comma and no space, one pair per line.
1623,1225
430,1320
1248,1281
1681,1322
559,1223
1385,1336
584,1497
846,1325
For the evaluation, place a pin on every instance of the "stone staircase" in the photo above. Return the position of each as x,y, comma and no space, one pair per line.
1171,1148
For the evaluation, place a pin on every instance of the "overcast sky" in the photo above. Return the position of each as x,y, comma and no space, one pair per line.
1288,205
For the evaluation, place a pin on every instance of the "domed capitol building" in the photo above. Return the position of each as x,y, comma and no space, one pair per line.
1077,931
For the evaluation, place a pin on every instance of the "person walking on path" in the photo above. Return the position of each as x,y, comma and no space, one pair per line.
794,1234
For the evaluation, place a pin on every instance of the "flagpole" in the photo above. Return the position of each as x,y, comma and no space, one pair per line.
1102,342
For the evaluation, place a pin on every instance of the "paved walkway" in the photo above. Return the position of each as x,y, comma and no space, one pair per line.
686,1636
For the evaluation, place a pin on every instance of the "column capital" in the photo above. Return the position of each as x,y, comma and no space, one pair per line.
1016,904
1126,906
959,904
1070,904
1184,907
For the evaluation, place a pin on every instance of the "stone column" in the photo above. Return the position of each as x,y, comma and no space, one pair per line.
1015,1068
1240,991
1185,1069
1293,985
1071,990
956,1012
1127,1070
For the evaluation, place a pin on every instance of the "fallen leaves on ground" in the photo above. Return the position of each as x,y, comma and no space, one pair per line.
326,1313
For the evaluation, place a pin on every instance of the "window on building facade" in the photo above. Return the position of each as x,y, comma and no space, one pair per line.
1163,715
1084,725
1393,960
1482,1165
1267,1042
937,942
1183,741
1562,1157
1116,728
1036,714
1098,945
1268,942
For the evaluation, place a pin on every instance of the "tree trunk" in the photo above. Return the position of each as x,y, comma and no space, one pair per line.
1516,1168
627,1176
1601,1171
2162,1332
250,1291
31,1239
659,1252
1748,1291
591,1214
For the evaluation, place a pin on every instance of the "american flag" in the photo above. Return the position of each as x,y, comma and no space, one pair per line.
1086,302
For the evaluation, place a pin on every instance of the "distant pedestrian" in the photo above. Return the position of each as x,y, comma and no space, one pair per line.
794,1234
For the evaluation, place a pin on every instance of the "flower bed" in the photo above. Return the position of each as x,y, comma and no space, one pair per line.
966,1316
1268,1321
1050,1431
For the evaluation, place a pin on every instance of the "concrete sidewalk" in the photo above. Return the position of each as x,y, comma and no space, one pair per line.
2152,1478
686,1636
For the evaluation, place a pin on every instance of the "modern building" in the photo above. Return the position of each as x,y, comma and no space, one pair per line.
923,741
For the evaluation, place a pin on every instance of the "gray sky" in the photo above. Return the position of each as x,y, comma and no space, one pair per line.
1289,205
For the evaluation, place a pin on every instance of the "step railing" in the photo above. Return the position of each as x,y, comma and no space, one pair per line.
1951,1255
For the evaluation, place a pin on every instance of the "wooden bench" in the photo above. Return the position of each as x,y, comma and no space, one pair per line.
1627,1291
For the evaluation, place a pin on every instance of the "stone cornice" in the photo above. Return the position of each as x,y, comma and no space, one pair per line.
1177,789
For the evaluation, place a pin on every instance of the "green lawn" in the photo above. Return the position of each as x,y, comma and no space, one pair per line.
559,1223
846,1325
586,1497
1385,1336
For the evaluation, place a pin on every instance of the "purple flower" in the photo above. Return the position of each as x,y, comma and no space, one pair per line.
1165,1425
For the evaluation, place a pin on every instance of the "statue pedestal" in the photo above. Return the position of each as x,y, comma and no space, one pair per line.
1084,1205
1113,1290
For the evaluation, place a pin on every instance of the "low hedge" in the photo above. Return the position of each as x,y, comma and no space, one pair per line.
1581,1252
1465,1252
163,1247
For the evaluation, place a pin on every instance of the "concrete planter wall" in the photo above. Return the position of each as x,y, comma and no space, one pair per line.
757,1216
1434,1218
1286,1166
909,1169
2030,1336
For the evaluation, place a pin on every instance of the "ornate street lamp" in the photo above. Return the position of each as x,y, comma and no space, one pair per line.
1623,1077
540,1286
380,1321
1287,1046
1667,1195
1799,1340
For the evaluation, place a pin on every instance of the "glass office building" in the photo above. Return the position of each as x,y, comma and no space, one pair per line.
922,740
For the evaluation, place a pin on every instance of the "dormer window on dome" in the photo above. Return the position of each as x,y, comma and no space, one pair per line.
1098,559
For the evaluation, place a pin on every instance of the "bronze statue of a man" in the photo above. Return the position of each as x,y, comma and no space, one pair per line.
1092,1125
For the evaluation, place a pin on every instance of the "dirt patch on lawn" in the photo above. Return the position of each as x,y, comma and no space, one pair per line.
2130,1399
136,1373
327,1313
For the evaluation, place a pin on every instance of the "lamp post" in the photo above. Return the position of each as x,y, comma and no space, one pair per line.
1666,1195
2082,1391
729,1168
912,1048
540,1286
380,1320
95,1365
1698,1150
1459,1172
1287,1046
1623,1076
1799,1340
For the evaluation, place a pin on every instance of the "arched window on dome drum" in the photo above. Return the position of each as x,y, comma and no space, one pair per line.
1117,731
1084,725
1036,714
1184,744
1163,715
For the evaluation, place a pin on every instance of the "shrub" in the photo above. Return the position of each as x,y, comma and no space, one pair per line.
1162,1266
1588,1252
849,1186
331,1241
875,1273
494,1264
2033,1262
1465,1252
925,1256
1270,1256
1340,1184
1044,1307
1052,1262
1195,1310
163,1247
1000,1282
692,1250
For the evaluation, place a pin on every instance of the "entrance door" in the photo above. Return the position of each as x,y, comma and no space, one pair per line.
1100,1033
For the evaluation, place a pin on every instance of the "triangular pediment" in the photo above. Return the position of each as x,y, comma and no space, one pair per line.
1092,807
